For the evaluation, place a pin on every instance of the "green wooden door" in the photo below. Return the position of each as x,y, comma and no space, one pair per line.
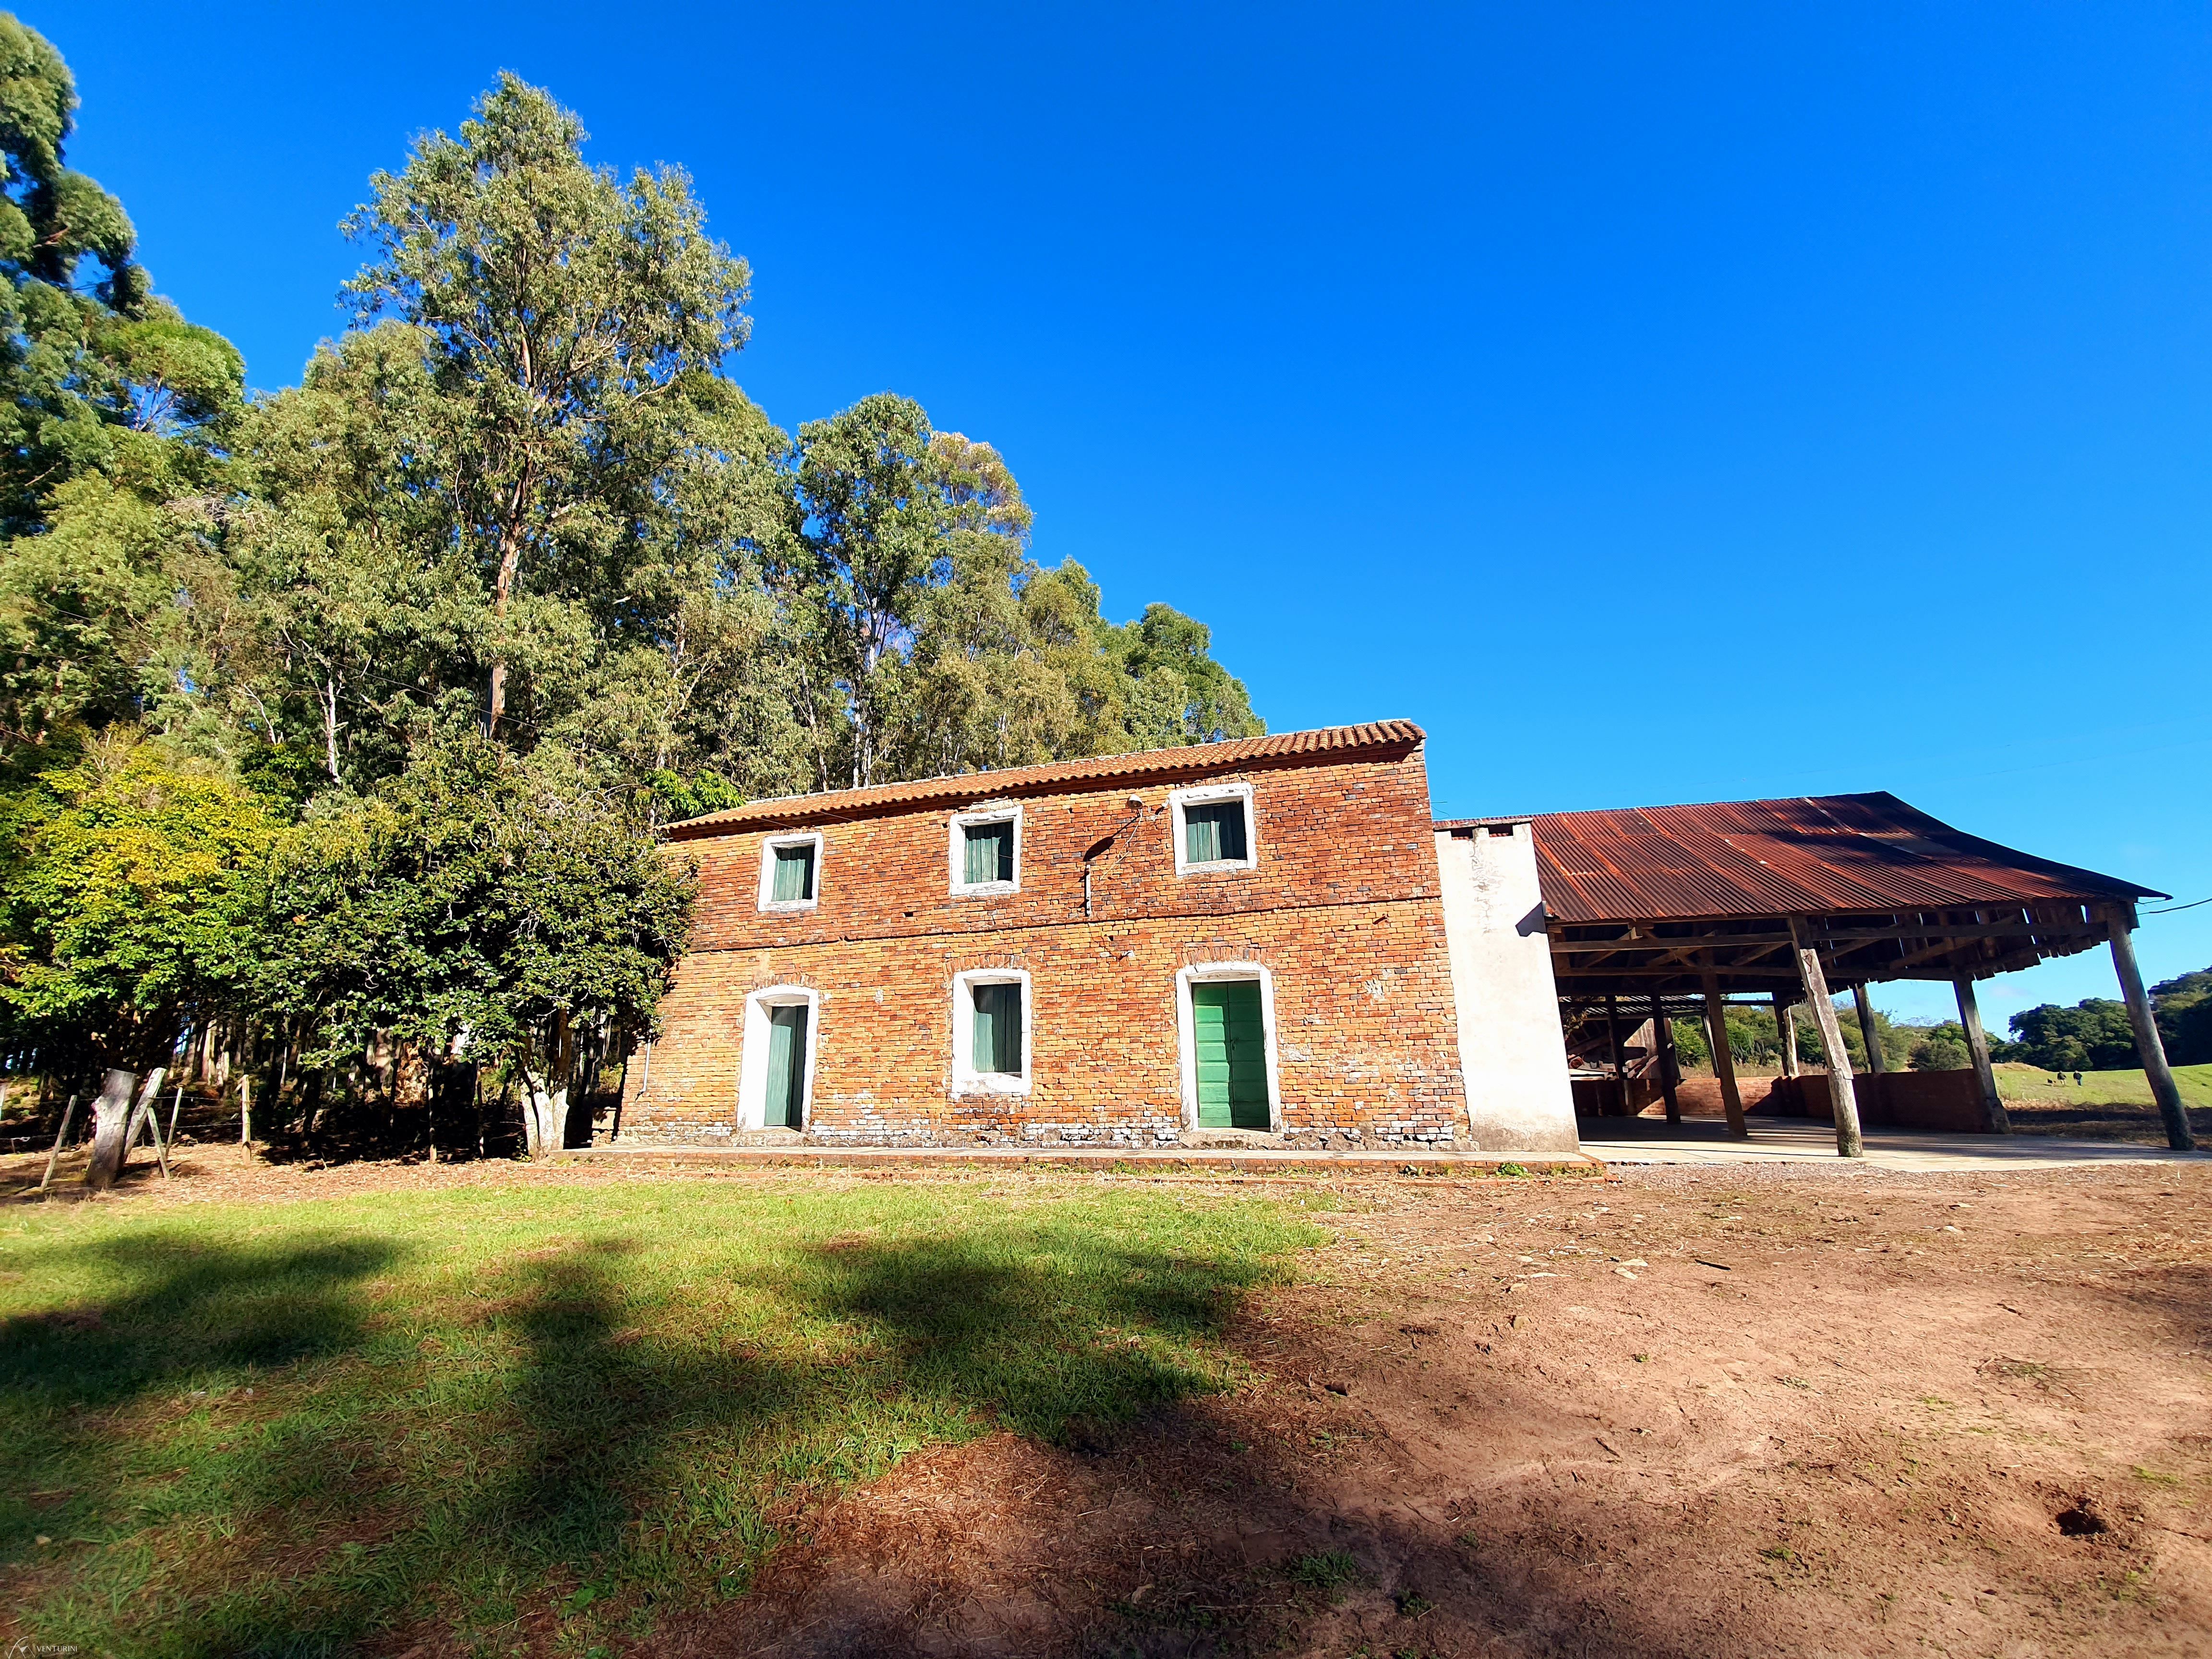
1232,1054
786,1067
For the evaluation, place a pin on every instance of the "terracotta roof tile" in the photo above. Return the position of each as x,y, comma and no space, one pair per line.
1059,777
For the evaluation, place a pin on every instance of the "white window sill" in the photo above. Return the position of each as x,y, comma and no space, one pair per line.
789,906
992,1084
987,889
1219,867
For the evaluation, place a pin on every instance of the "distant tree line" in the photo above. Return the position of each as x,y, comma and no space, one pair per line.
1755,1040
336,726
2093,1035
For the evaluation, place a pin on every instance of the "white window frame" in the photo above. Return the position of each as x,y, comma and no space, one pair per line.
956,850
812,837
752,1059
1205,794
1186,1035
966,1079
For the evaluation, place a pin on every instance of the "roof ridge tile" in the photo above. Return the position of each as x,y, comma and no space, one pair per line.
871,800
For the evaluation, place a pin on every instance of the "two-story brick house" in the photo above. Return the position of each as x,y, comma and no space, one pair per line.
1254,939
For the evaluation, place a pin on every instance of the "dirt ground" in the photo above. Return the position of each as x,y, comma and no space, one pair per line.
1773,1409
1692,1411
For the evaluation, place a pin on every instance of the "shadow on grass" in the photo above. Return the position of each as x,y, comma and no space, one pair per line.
255,1451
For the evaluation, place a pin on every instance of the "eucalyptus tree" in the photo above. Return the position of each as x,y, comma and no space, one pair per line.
573,326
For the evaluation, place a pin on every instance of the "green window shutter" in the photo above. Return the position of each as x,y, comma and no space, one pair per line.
1229,1030
1201,837
794,874
998,1032
989,854
1213,832
786,1067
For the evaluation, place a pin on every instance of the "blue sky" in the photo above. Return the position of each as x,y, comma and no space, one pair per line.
1658,404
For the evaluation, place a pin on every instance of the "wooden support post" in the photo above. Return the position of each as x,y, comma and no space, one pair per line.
1620,1055
1785,1032
1877,1062
1723,1058
1848,1142
1978,1044
245,1110
68,1114
1662,1043
2153,1051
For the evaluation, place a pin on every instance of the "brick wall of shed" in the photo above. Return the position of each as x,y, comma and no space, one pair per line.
1343,909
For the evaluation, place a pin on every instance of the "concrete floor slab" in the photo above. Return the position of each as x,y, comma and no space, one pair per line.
1645,1140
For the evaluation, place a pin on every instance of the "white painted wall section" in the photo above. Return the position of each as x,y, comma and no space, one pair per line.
1511,1049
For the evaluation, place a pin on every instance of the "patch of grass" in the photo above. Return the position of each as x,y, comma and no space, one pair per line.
1328,1572
265,1428
2157,1478
1412,1604
2032,1086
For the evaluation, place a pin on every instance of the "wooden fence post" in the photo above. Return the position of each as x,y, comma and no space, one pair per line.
68,1112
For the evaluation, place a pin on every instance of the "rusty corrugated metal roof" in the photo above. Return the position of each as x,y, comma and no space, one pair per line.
1191,760
1780,858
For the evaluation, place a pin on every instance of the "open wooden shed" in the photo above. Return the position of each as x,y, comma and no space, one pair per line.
1656,913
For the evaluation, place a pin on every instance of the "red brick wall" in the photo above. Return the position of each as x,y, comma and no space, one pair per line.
1342,908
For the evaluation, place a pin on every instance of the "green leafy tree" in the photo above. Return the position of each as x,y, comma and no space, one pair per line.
1691,1046
938,645
132,901
573,326
1939,1048
105,466
2095,1035
471,907
2183,1010
1179,693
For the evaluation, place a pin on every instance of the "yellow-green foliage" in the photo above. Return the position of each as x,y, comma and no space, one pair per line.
129,886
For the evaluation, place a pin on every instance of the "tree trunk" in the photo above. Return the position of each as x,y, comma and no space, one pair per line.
545,1100
111,1115
545,1109
330,700
510,561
